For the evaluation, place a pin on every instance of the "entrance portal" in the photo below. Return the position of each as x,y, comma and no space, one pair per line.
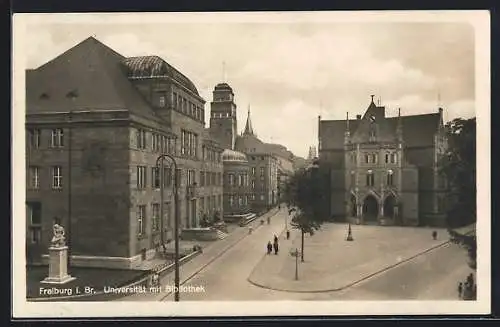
370,208
389,205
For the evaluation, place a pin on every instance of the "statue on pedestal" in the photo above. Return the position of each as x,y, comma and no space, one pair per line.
58,240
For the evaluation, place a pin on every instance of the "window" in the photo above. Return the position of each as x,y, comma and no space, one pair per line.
390,177
162,101
214,177
57,139
34,213
174,100
155,177
231,200
167,177
218,179
262,171
387,158
353,179
240,201
253,196
57,177
189,143
141,216
369,178
178,176
262,197
156,141
394,158
34,177
35,235
155,218
367,158
191,177
374,158
141,139
141,177
34,138
253,170
202,178
241,180
231,179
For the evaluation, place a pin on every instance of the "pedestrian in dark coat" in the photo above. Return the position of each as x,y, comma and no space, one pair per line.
269,247
434,235
275,239
275,245
460,289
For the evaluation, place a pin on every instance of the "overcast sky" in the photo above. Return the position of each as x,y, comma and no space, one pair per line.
289,73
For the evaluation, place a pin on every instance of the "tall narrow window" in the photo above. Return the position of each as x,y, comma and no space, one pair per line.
162,101
390,177
141,139
57,139
394,158
155,177
141,217
369,178
253,170
178,177
167,177
34,177
387,158
353,179
367,158
141,177
155,217
57,177
231,179
34,138
202,178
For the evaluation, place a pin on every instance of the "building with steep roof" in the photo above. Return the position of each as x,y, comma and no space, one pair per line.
384,169
96,123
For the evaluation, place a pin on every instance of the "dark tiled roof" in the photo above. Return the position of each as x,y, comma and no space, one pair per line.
88,76
418,130
385,131
154,66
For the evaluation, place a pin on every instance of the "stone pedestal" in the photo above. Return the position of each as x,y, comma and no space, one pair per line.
58,266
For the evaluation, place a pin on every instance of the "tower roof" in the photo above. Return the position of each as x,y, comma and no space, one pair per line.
248,126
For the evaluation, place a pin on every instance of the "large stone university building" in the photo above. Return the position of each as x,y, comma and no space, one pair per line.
384,170
96,123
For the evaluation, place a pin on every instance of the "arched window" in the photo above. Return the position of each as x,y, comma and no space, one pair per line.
369,178
390,177
387,157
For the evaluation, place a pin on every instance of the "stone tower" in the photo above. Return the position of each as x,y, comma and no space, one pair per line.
223,115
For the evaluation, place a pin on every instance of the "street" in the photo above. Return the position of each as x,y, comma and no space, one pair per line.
431,276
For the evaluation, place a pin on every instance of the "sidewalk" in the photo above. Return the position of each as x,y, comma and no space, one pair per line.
209,254
333,264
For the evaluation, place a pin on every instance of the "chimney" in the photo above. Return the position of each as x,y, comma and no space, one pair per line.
358,116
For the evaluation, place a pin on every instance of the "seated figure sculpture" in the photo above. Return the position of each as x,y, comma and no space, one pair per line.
58,240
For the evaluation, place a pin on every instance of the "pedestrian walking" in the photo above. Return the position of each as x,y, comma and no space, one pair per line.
460,289
276,247
269,247
275,238
287,234
268,220
434,235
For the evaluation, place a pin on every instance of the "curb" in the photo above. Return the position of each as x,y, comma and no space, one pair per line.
214,258
352,283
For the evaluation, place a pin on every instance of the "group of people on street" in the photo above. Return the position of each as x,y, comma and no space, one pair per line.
467,289
273,246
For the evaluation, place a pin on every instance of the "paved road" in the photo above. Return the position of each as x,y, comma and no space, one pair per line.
431,276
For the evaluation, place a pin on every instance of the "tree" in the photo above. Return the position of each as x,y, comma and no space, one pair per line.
303,195
458,164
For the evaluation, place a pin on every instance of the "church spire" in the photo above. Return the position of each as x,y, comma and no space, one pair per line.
248,126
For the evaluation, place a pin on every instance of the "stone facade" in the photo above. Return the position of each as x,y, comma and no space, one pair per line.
384,170
237,191
96,124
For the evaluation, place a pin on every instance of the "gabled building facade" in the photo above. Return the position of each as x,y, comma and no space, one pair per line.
96,124
384,170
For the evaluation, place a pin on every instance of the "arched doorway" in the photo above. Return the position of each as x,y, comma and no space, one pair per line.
370,209
389,205
353,206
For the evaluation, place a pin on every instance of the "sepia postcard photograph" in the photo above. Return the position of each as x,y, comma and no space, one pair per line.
251,164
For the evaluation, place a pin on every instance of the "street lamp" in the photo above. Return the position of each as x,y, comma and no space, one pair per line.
296,254
159,165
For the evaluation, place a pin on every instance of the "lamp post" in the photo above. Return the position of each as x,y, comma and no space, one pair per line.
296,254
159,165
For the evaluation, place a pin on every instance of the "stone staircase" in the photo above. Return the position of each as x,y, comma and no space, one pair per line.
221,235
